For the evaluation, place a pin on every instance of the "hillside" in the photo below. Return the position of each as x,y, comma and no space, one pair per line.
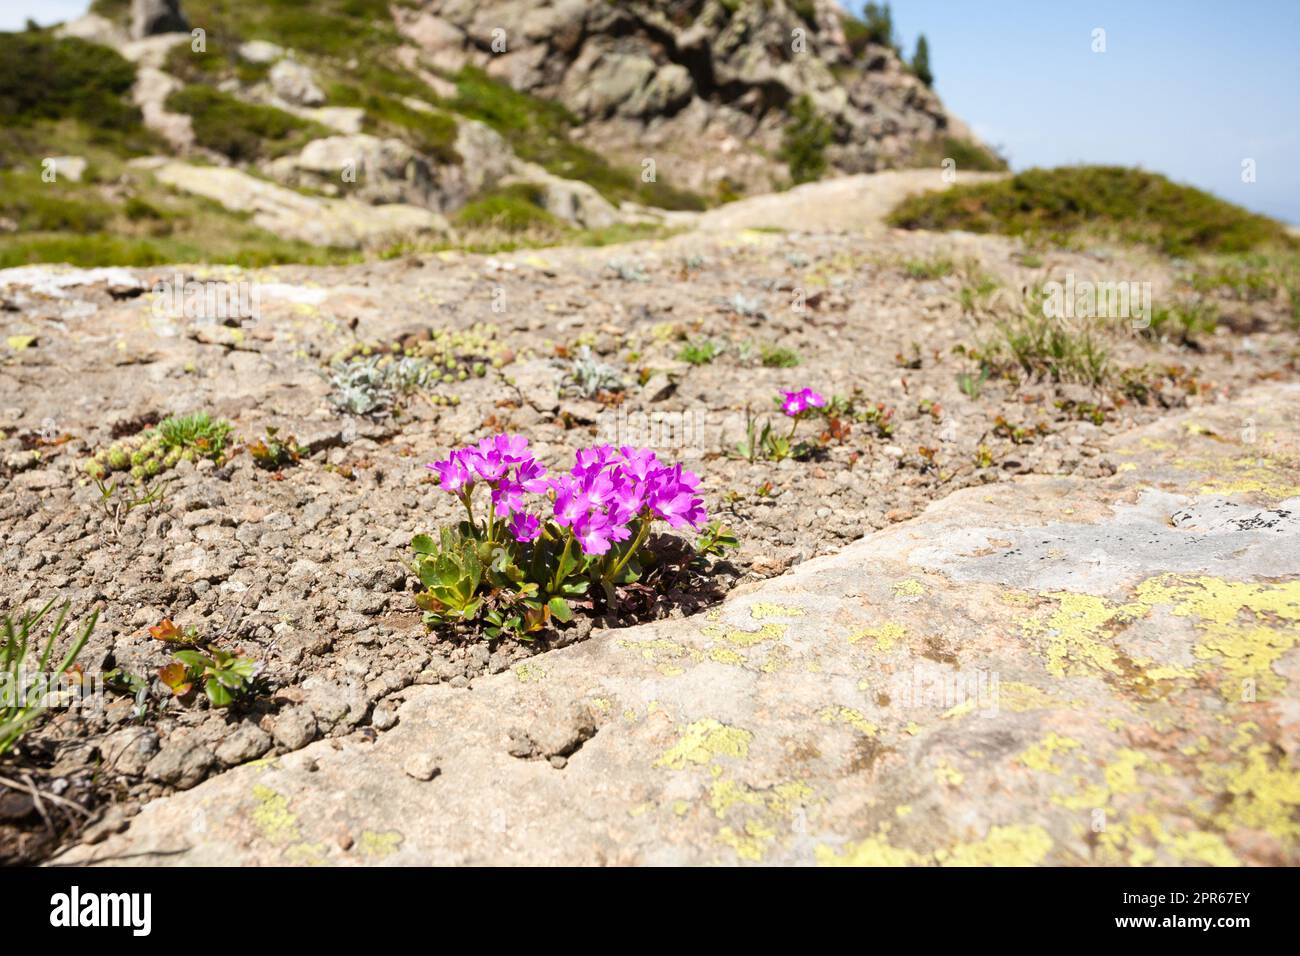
278,132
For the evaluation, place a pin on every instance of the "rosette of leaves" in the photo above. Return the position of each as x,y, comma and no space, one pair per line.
466,579
225,676
272,453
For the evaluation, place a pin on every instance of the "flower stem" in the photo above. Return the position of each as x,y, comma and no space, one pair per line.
639,540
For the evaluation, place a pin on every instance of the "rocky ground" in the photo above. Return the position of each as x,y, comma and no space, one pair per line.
301,568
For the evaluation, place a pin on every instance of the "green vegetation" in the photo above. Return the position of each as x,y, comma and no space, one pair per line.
935,268
515,208
921,61
225,677
431,132
25,680
876,26
45,78
241,131
155,450
803,147
1183,322
700,353
968,156
1046,348
778,356
1071,203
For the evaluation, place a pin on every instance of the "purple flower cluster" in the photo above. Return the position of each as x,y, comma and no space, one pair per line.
598,500
795,404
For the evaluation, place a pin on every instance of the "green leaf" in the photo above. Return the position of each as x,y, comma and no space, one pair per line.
192,659
243,666
219,695
423,544
560,609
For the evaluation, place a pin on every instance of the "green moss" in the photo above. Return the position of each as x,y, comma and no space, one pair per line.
242,131
1070,202
512,209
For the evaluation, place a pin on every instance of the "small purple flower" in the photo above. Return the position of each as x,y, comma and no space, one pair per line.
511,448
525,527
795,403
488,465
594,532
453,475
591,460
531,474
640,463
570,502
507,496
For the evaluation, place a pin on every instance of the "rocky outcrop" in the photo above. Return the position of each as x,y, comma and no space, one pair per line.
342,223
704,87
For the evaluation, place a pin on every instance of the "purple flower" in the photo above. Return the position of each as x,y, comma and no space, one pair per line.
511,448
591,460
795,403
678,508
507,496
453,475
640,463
525,527
594,532
531,474
570,502
488,465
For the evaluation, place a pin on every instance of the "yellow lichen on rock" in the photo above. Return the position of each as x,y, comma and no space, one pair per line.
703,740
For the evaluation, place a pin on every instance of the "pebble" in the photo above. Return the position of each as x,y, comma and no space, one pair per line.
422,766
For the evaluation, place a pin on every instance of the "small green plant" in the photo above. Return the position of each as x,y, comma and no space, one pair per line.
1047,348
1019,434
700,353
23,691
778,356
117,502
762,442
972,383
715,540
935,268
225,677
588,377
155,450
273,453
1182,323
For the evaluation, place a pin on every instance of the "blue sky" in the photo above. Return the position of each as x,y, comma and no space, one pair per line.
1188,88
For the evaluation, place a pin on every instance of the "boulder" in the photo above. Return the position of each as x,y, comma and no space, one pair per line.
295,83
342,223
